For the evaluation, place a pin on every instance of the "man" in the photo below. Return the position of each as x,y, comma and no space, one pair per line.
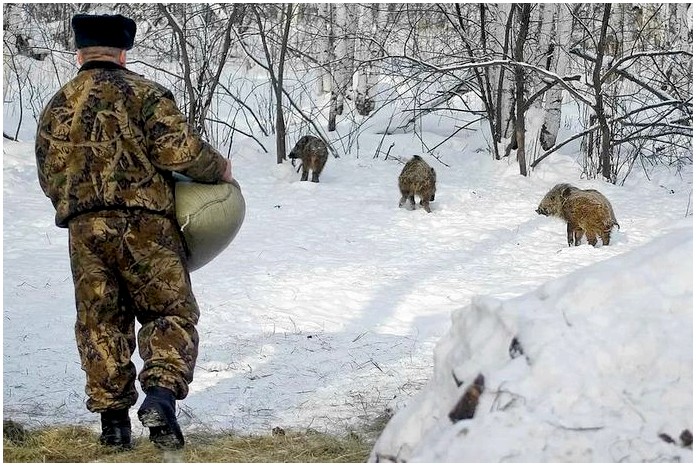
106,146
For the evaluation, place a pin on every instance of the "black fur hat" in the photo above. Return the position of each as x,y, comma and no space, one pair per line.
103,31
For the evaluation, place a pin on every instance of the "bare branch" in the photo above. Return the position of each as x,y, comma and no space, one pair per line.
235,129
615,67
563,81
660,95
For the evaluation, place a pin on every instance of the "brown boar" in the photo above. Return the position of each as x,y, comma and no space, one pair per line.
586,212
313,153
417,178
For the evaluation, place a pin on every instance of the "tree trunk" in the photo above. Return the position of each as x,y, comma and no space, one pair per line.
341,74
484,77
525,11
280,120
605,134
276,78
677,36
506,81
331,39
366,50
545,14
559,64
325,47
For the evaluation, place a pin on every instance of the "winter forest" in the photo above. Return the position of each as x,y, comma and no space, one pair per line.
627,67
467,331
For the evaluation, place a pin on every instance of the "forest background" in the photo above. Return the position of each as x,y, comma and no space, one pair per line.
627,67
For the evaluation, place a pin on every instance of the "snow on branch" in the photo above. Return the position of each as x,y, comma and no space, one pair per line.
657,92
561,80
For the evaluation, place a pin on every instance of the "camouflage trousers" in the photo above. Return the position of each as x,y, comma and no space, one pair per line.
128,266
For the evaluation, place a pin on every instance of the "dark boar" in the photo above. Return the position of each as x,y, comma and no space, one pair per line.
313,153
417,178
586,212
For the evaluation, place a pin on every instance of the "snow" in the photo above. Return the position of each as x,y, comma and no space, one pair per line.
607,366
327,309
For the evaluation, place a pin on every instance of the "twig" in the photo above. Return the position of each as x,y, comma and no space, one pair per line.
577,429
359,337
376,365
234,128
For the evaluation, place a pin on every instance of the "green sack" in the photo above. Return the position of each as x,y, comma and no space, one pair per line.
209,215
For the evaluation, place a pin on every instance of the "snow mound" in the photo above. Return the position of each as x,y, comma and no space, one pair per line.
602,365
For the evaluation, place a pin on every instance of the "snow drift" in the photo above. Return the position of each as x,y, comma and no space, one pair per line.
603,367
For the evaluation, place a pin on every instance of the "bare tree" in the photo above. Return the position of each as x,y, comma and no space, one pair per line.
627,67
277,74
633,111
628,103
599,107
30,48
203,35
524,16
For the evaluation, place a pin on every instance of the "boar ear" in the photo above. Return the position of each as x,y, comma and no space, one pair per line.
566,191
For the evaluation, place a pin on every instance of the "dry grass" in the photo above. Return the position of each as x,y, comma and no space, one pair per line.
81,445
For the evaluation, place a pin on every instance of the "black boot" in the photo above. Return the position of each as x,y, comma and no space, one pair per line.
116,429
158,413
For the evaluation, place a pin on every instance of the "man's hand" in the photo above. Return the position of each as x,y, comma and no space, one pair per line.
227,176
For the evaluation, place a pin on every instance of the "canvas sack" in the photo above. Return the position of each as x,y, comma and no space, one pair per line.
209,215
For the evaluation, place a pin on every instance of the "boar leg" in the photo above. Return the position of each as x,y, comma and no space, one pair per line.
315,177
578,235
574,233
569,232
404,196
305,174
591,237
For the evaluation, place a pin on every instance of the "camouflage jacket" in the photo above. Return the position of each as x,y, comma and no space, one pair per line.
110,139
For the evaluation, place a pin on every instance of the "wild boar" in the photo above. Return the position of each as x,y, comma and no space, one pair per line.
586,212
313,153
417,178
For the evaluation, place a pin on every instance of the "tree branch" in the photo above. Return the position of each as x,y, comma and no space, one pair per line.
234,128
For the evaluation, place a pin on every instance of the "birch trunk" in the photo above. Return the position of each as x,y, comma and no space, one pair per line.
504,80
331,60
677,32
495,21
350,35
341,74
325,44
559,63
546,16
366,50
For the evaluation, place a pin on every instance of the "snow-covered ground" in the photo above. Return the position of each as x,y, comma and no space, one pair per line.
326,309
603,365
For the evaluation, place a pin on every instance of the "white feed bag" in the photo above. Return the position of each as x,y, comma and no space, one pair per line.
209,215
